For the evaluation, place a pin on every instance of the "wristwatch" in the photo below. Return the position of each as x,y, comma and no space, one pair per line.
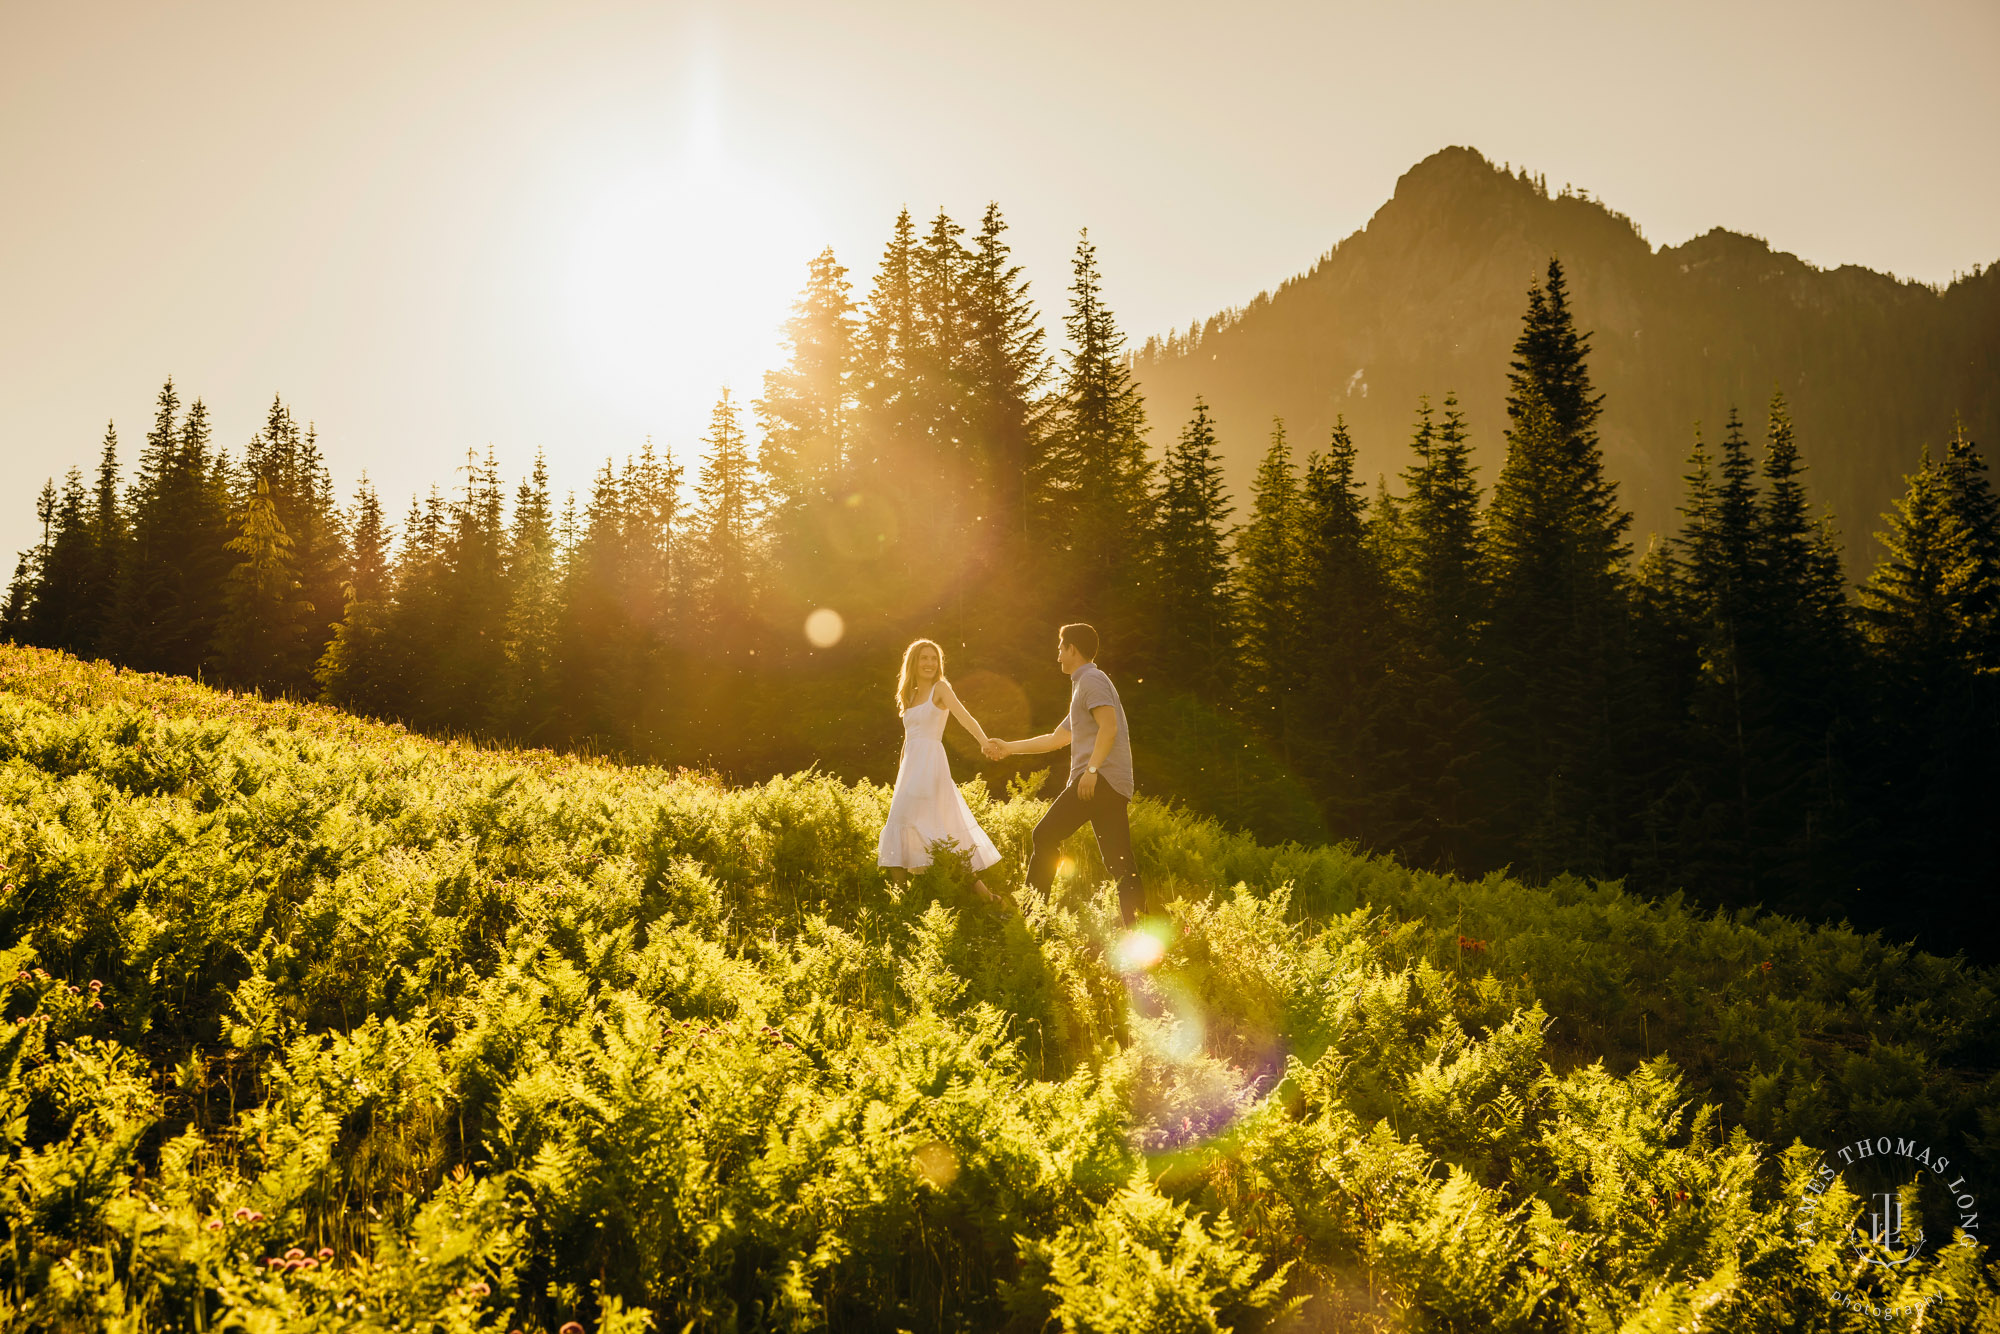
1090,768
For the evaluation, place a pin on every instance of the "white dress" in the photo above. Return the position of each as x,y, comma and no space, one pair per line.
927,808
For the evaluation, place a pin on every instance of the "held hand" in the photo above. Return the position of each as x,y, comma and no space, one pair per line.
1086,786
995,748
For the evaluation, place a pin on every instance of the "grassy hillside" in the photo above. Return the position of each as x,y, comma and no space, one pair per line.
1428,298
311,1022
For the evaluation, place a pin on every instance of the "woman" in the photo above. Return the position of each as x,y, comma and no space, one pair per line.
926,808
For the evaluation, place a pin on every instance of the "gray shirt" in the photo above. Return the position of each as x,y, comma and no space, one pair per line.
1089,688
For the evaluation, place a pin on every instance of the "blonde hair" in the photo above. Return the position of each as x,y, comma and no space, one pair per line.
906,680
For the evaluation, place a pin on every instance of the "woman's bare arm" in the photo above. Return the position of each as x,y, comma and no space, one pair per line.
960,712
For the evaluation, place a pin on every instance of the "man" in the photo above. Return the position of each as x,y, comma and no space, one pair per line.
1100,772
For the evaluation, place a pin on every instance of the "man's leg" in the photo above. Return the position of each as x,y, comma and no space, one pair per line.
1110,822
1066,815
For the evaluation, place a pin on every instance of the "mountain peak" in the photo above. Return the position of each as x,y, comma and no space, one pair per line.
1427,298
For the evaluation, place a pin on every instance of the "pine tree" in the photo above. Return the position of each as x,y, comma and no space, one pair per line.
595,626
1346,653
262,640
108,536
725,546
415,626
60,614
172,591
1271,574
807,409
886,367
1550,363
1197,621
939,358
1935,771
320,541
1799,631
524,705
1972,502
350,669
469,604
143,576
1554,652
1092,478
1441,567
655,597
1914,604
1007,368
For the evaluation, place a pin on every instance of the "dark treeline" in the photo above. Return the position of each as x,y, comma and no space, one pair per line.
1471,673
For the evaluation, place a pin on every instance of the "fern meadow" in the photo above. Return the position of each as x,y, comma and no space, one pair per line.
310,1022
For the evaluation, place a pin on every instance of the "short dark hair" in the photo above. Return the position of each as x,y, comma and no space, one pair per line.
1081,637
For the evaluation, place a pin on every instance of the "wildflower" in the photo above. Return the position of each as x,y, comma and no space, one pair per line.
570,1327
1766,965
274,1262
326,1252
480,1289
96,985
241,1215
295,1254
213,1225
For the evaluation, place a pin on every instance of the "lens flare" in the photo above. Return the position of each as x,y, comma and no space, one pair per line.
1140,948
825,627
936,1163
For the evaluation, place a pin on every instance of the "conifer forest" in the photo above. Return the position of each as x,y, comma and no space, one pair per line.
1469,672
468,916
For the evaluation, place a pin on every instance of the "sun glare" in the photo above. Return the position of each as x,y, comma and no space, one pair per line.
681,276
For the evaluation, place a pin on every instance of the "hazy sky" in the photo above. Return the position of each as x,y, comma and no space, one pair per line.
438,227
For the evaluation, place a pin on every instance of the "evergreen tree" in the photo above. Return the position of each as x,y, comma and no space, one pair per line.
144,575
1551,364
1799,633
595,624
1346,652
1918,604
807,408
1271,575
320,542
887,365
1440,565
1197,630
939,269
416,625
107,540
60,614
725,536
1970,496
20,597
351,670
262,639
172,591
654,592
1554,653
1935,773
1007,368
1429,544
1092,478
470,601
525,704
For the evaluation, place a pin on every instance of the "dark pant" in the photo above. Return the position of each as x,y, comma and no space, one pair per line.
1105,813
